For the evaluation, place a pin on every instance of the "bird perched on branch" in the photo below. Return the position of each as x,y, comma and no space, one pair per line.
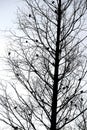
9,53
36,40
29,15
81,91
53,2
37,55
15,127
15,107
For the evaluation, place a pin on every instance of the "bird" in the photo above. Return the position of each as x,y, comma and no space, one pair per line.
56,11
17,74
81,91
29,15
37,55
53,64
26,41
67,98
75,105
71,102
47,48
80,79
66,119
67,86
9,53
81,99
42,100
53,2
27,81
15,127
15,107
64,88
36,40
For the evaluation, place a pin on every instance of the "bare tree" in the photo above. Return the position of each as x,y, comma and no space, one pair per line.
48,59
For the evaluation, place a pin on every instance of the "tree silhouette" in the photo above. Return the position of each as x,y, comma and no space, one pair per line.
48,59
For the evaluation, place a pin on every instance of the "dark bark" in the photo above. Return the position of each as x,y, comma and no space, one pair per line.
55,85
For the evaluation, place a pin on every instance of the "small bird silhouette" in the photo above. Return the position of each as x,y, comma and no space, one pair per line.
15,107
53,2
71,102
17,74
9,53
26,41
37,55
15,127
53,64
80,79
64,88
36,40
75,105
81,99
67,86
81,91
29,15
56,11
47,48
66,119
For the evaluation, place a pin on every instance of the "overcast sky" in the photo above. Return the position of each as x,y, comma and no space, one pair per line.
8,11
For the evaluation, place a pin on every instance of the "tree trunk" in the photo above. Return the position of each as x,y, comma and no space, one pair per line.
55,85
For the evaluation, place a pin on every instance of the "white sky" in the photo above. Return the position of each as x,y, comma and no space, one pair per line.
8,9
8,15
